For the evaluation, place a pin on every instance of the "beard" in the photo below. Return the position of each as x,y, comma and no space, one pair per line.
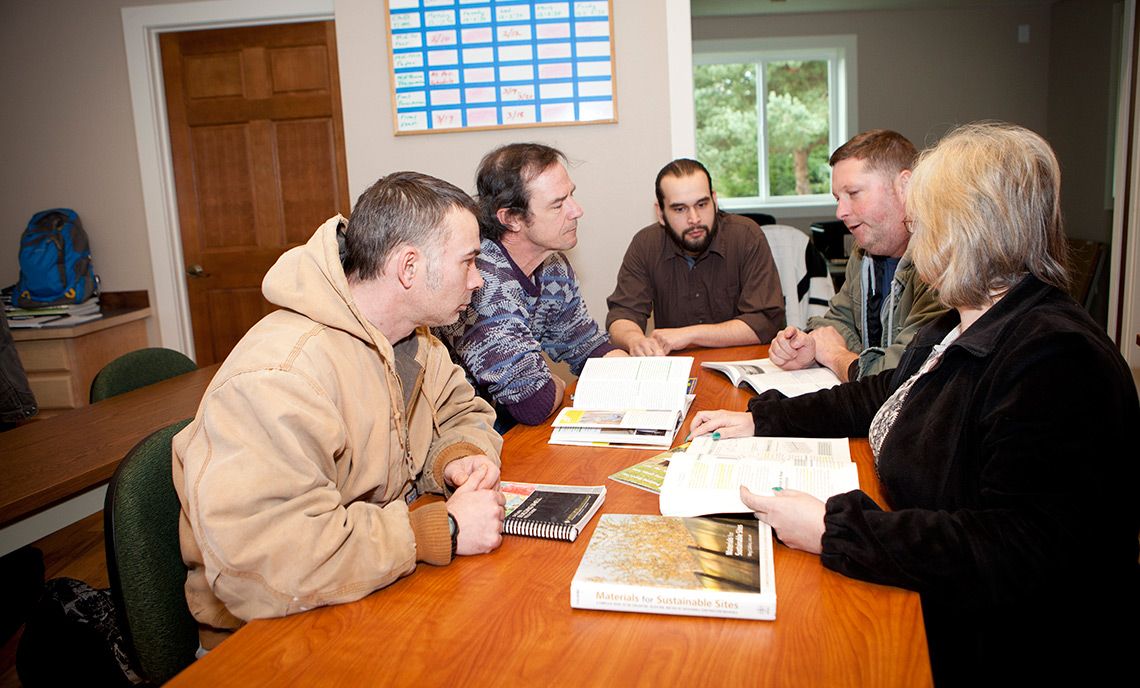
691,245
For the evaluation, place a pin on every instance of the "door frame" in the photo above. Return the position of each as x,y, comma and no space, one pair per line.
141,28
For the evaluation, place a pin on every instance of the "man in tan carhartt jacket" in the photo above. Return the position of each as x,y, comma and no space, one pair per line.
301,474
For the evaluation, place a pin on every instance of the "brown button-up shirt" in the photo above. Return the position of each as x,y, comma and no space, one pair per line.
735,278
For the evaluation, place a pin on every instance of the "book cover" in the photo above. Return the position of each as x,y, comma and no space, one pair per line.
556,512
684,566
649,474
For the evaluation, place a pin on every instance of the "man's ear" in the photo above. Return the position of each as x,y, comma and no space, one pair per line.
509,219
901,182
660,215
406,262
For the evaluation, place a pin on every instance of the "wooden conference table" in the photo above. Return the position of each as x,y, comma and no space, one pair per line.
505,617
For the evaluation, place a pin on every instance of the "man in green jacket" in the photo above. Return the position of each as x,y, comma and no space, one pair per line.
883,303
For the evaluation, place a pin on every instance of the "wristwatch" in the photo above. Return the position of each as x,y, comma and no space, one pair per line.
453,527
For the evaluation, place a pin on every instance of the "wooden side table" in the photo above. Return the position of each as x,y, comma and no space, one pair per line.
61,362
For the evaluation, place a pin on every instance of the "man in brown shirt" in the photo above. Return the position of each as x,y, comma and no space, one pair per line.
707,276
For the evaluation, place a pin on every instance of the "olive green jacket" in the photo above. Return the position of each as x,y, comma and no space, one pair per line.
910,304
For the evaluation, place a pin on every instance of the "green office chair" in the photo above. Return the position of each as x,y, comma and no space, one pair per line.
144,561
138,369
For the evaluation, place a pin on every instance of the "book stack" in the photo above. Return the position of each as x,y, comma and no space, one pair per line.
52,316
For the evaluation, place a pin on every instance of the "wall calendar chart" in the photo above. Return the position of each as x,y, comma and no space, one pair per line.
483,64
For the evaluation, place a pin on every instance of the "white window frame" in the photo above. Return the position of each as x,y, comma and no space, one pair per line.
840,53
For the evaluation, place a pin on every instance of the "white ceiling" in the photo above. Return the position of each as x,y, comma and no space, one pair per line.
716,8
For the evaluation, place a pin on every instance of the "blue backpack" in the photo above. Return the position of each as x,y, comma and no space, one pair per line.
55,261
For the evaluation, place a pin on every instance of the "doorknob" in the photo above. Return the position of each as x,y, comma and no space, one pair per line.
196,271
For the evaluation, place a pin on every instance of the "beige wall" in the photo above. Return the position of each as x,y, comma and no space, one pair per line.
69,135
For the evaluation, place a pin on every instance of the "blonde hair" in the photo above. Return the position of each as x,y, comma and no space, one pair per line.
986,209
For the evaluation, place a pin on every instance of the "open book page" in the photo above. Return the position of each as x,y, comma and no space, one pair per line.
761,374
648,383
799,451
698,485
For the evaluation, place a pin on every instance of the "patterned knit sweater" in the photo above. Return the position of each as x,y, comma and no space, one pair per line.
512,320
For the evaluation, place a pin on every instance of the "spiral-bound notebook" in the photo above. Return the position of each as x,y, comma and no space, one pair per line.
555,512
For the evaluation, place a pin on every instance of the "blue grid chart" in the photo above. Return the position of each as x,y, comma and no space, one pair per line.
461,64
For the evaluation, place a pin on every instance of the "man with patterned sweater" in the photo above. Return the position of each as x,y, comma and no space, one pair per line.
530,302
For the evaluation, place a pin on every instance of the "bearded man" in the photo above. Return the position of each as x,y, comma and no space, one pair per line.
707,277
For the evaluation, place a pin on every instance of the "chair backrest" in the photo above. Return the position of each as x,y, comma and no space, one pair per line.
1086,260
804,290
144,561
138,369
829,238
760,218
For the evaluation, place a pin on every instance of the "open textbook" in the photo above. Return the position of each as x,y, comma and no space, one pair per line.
761,374
706,479
636,402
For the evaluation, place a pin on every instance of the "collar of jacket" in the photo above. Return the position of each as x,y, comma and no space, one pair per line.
990,328
310,280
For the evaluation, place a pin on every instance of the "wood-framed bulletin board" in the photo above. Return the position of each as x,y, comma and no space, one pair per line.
490,64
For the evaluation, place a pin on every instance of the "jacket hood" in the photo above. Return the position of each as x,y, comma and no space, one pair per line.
309,280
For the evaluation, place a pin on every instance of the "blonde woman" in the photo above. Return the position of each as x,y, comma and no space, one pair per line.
1002,440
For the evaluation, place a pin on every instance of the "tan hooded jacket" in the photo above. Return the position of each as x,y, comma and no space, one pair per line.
294,473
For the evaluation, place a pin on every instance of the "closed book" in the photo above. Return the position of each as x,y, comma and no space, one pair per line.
685,566
556,512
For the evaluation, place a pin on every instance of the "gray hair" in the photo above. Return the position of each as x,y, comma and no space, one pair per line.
401,208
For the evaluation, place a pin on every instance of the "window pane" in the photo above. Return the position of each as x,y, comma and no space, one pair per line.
798,126
725,99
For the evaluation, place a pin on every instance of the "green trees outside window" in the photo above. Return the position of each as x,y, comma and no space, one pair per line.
795,112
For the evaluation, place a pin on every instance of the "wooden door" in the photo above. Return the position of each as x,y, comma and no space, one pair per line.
258,149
